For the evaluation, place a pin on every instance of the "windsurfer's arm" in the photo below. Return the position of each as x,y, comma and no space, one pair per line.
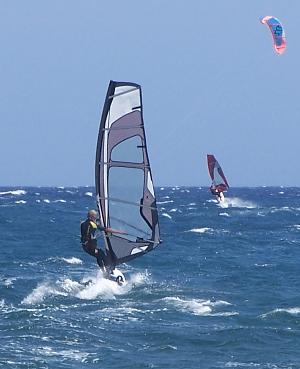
110,230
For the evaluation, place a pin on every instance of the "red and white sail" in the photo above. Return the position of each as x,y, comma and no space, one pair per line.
219,181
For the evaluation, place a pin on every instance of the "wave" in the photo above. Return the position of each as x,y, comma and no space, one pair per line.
20,202
290,311
166,215
235,202
15,192
164,202
68,354
224,215
72,260
198,306
201,230
91,287
90,194
8,282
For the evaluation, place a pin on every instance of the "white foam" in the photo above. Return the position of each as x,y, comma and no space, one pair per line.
15,192
8,282
201,230
166,215
69,354
98,287
291,311
89,194
46,201
60,200
194,306
236,364
38,295
173,210
164,202
235,202
20,202
198,306
224,215
72,260
297,226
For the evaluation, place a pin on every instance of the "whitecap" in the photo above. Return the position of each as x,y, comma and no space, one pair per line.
15,192
224,214
60,201
46,201
236,364
235,202
39,293
166,215
8,282
90,194
20,202
91,287
198,306
72,260
69,354
291,311
164,202
201,230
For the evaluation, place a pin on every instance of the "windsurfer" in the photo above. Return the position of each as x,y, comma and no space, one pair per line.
219,194
89,241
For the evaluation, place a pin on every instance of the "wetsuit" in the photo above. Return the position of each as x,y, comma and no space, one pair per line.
89,242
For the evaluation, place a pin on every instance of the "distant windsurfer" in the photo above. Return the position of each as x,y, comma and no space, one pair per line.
219,194
89,240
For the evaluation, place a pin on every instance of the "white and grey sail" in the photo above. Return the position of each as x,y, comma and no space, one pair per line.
124,187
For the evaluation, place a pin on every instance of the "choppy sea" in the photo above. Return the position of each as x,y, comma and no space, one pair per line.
222,291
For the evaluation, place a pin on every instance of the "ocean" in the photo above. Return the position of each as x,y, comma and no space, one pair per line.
221,291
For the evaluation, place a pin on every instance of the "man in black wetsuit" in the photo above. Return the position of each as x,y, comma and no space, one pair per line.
89,241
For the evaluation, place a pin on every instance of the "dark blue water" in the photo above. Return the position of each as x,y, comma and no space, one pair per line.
222,291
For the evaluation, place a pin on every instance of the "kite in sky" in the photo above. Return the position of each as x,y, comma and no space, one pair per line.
277,33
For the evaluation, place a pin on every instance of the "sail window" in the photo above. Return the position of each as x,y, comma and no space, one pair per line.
124,201
128,151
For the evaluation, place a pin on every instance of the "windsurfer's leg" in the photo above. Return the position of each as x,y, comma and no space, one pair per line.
102,261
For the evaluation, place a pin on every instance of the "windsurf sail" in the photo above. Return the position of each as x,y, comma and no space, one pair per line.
218,178
124,188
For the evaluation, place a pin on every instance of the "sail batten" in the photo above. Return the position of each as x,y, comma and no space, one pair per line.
124,187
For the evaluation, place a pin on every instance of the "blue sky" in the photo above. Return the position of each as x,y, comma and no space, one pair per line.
210,78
